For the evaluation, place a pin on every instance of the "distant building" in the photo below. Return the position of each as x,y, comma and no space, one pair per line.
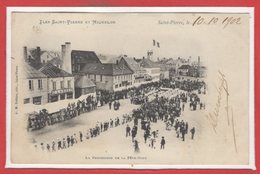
180,62
60,83
47,56
152,69
111,77
84,86
34,86
81,58
184,70
202,71
139,72
56,62
37,57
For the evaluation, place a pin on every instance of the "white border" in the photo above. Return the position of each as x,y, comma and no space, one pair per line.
249,10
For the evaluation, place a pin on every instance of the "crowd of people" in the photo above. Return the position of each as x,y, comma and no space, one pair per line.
154,107
39,120
69,141
168,110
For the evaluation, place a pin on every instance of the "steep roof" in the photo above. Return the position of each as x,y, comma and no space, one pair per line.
52,71
106,69
56,61
84,82
147,63
109,58
32,52
85,56
132,64
31,72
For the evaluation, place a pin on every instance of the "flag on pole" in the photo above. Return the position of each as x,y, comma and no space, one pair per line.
154,43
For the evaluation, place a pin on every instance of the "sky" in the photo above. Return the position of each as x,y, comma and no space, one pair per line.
132,35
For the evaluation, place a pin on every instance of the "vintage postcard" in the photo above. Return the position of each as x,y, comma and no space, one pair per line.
130,88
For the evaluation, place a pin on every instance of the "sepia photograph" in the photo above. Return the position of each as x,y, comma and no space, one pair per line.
126,88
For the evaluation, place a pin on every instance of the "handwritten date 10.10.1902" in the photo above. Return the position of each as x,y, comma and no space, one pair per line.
215,20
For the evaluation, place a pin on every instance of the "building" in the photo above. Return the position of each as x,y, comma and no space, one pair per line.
84,86
184,70
48,56
111,77
33,57
124,60
152,69
34,86
60,83
139,72
180,62
81,58
56,62
202,71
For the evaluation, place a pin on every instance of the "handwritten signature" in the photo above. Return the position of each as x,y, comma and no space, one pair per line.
213,117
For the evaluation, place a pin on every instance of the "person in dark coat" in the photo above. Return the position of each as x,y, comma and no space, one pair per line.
162,143
136,146
128,129
110,104
192,131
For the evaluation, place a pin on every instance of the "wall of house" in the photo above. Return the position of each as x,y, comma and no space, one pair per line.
111,83
58,80
106,83
45,57
84,91
29,94
154,73
119,79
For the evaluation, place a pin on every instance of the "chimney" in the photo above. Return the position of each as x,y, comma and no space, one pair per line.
38,55
63,48
66,61
25,54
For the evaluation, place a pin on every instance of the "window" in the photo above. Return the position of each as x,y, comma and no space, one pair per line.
69,95
61,84
31,84
101,78
78,67
54,85
37,100
39,84
27,100
69,84
95,77
53,98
